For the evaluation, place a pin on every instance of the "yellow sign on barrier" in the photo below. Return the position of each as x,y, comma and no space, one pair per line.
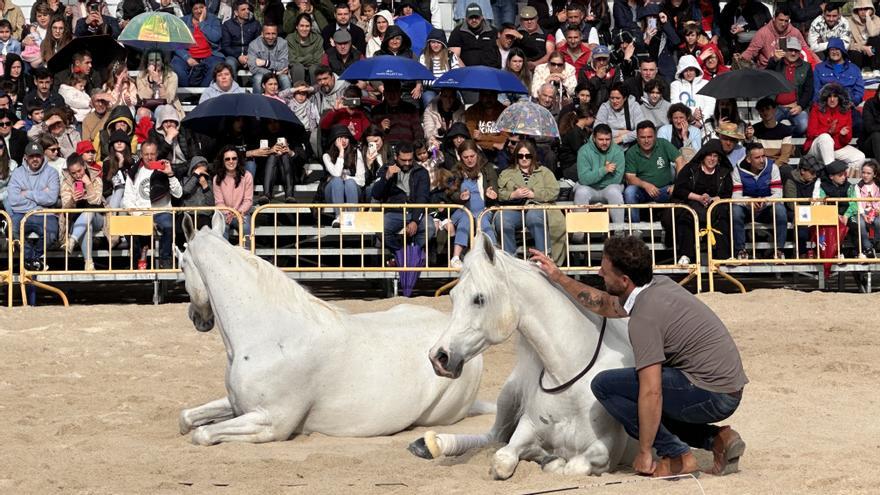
130,225
361,222
590,222
817,215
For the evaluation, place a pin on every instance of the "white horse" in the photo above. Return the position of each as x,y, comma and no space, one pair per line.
567,431
296,364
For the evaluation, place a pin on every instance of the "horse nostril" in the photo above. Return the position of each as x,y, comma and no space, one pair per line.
442,357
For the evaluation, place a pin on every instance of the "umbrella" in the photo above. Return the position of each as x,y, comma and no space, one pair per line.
747,83
387,67
414,257
205,117
156,30
528,118
417,28
480,77
103,48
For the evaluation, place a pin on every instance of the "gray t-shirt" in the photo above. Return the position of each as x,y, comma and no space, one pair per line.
669,325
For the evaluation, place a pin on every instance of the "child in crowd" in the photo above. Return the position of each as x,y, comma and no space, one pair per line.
869,211
835,185
8,44
75,96
86,150
34,116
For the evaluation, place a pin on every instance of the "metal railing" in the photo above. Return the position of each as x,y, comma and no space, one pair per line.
7,276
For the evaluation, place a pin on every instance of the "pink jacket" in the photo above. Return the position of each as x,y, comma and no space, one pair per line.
239,198
765,43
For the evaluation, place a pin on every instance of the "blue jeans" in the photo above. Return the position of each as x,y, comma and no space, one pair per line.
635,195
504,11
80,230
799,121
33,248
245,230
257,80
200,75
687,409
509,223
233,62
339,190
463,227
765,215
164,225
863,231
394,223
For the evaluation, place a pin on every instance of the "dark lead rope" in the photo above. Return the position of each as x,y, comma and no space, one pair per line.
566,385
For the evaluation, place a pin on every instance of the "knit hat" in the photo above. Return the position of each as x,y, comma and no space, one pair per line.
437,35
117,136
84,146
338,131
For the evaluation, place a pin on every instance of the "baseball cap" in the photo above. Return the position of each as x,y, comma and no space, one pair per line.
342,36
792,43
33,148
473,10
601,51
528,12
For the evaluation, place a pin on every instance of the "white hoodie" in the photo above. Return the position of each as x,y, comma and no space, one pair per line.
682,91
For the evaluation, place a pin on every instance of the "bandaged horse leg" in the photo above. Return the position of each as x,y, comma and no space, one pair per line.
505,460
212,412
255,427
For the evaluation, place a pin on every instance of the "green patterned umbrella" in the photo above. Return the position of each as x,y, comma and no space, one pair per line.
156,30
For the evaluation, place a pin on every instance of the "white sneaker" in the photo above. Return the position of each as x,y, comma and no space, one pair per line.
455,262
89,266
684,260
70,245
335,223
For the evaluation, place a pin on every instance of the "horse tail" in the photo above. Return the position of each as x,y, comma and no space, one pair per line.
480,407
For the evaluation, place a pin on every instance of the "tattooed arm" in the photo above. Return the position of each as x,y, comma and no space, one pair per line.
597,301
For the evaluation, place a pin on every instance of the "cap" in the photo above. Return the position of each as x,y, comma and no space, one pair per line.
528,12
84,146
342,36
601,51
792,43
810,162
33,148
836,167
473,10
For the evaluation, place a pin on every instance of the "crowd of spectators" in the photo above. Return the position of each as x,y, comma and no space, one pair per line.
623,81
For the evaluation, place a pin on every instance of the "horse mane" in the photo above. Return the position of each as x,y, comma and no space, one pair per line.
285,291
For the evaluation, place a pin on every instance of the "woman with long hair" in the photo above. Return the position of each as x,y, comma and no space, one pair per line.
381,22
518,63
233,188
7,165
575,129
13,71
375,152
156,83
59,35
443,111
437,57
114,169
345,168
121,88
475,185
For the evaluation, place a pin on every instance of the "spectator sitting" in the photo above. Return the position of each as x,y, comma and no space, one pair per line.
299,100
348,113
96,23
686,87
345,168
223,84
233,188
583,96
829,25
194,65
650,169
82,63
95,120
794,105
474,41
803,183
197,186
654,107
624,59
836,185
730,137
8,44
115,168
7,165
600,166
437,57
830,129
34,117
75,96
765,45
52,153
480,119
120,119
441,113
865,36
120,86
86,150
457,134
575,129
34,187
156,83
659,41
14,139
868,211
43,94
621,113
381,21
57,126
757,177
237,33
773,136
172,141
342,14
474,185
399,119
266,54
35,33
839,69
638,85
81,188
342,54
13,72
329,89
305,47
401,182
556,72
375,153
284,157
574,51
712,62
598,73
550,98
529,183
740,22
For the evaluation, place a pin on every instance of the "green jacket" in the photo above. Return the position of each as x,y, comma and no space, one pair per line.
291,13
308,53
542,181
591,165
852,208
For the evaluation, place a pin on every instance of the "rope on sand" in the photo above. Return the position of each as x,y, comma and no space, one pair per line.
639,479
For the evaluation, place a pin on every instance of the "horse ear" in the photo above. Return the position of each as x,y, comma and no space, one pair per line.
188,229
218,223
488,247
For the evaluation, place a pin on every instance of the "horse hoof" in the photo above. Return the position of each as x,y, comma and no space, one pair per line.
426,447
184,425
552,464
503,466
201,437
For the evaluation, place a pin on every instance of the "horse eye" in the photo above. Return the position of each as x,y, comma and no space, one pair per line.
479,300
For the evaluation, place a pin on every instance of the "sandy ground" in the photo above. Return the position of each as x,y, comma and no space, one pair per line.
89,400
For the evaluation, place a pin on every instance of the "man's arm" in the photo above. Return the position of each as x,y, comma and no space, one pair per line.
597,301
650,406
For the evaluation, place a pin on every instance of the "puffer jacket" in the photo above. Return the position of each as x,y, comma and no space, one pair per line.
682,91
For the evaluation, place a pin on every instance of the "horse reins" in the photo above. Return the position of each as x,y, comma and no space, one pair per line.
566,385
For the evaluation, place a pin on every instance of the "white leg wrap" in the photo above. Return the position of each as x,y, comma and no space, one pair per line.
452,445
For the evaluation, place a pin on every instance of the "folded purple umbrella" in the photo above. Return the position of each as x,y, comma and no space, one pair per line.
415,256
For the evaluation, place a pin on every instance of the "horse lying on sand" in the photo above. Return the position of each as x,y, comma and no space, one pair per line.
547,412
296,364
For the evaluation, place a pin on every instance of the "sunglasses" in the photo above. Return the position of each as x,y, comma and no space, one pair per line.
557,64
230,158
524,156
5,123
54,149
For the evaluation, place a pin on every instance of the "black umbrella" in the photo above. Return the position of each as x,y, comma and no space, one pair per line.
206,117
748,84
103,48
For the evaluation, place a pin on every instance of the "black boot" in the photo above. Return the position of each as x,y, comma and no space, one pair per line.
288,181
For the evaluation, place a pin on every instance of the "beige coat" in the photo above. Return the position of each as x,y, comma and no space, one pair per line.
168,91
872,24
15,16
93,195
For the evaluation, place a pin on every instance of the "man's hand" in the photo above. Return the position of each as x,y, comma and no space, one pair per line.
778,54
242,59
171,133
260,62
651,189
553,273
644,463
392,170
192,62
411,229
610,167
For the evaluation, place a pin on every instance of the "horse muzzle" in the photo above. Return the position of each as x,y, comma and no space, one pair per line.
446,364
202,324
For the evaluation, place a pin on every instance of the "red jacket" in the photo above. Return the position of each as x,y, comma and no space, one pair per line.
356,121
581,61
820,123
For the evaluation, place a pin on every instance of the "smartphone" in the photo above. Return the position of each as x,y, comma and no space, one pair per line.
351,102
780,43
281,141
79,186
371,146
156,165
264,143
652,23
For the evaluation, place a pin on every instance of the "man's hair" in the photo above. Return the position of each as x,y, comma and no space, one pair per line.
647,60
405,147
603,129
646,124
765,103
351,92
46,140
831,6
269,24
323,69
630,256
783,9
575,6
753,146
573,27
8,114
33,106
506,25
341,5
80,56
41,73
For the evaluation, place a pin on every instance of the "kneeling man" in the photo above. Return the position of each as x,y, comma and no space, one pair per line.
688,371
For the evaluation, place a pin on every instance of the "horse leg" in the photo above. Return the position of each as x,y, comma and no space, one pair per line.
522,441
212,412
255,427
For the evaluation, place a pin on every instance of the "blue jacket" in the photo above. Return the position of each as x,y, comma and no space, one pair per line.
850,76
236,37
41,188
386,190
210,28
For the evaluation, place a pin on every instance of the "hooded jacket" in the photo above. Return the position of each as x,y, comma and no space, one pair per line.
374,43
275,55
847,74
405,44
236,36
450,155
687,178
213,91
119,113
822,118
870,26
764,44
308,52
591,165
40,188
176,150
682,91
433,122
193,192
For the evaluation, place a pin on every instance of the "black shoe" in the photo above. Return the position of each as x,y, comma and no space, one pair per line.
290,200
33,265
262,200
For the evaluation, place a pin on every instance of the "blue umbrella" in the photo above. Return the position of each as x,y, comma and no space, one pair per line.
387,67
417,28
480,77
206,116
415,256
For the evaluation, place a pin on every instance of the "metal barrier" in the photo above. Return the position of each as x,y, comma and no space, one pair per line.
314,238
7,277
807,222
117,223
570,233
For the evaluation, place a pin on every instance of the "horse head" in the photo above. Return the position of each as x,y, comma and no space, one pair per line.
484,312
200,312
